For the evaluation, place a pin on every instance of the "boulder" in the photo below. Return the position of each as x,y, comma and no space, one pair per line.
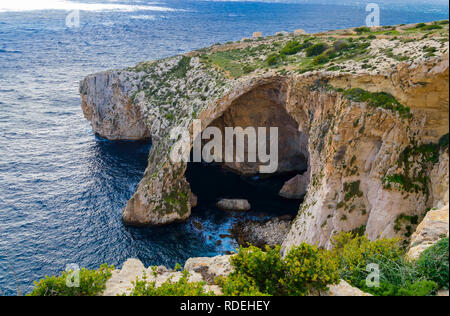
433,228
234,205
295,188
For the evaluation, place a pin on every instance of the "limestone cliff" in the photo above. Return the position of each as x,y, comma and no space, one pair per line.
365,116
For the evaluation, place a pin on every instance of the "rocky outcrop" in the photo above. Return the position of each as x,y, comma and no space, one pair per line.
234,205
200,270
107,104
261,233
210,268
439,181
369,130
433,228
370,167
122,281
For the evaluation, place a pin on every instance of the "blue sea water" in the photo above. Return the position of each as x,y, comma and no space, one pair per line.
62,189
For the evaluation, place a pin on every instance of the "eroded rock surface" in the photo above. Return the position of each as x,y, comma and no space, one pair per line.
107,105
200,270
210,268
433,228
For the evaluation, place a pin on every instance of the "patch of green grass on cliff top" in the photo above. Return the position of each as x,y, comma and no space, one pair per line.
382,100
240,61
227,62
337,52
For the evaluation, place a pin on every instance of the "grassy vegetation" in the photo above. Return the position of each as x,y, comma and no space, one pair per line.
362,29
415,161
226,61
92,282
378,100
182,68
315,52
316,49
434,264
407,223
398,275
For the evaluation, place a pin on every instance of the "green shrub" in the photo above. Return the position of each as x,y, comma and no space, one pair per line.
92,282
431,27
256,271
398,276
362,29
306,44
273,59
355,253
341,45
291,48
433,263
183,66
309,269
304,270
443,141
418,288
248,69
321,59
316,49
169,288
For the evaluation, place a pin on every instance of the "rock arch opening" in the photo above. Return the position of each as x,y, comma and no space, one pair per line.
272,194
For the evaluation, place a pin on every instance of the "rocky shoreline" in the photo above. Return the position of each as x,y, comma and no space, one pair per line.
270,232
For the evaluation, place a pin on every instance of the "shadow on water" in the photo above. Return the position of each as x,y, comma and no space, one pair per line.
211,183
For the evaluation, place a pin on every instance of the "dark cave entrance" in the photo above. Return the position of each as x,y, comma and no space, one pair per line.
264,106
211,183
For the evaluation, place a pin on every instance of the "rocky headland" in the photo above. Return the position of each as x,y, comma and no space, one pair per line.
364,111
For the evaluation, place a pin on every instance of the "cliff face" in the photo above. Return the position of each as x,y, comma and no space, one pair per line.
369,127
373,169
106,104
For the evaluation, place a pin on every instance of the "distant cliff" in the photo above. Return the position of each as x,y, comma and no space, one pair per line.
367,109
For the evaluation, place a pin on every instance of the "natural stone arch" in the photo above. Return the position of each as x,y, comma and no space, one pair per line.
265,106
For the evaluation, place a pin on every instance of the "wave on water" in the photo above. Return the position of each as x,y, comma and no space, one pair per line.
10,51
144,17
33,5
